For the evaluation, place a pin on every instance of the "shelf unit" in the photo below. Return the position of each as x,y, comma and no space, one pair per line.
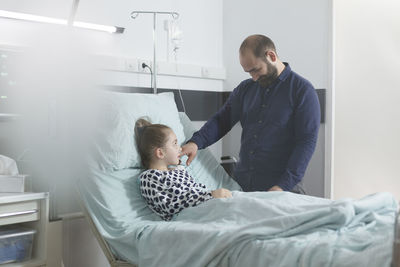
30,210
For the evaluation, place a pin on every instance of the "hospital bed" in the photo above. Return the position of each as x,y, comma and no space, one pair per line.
251,229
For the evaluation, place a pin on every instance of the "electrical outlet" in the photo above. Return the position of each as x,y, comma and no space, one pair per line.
205,72
131,65
145,69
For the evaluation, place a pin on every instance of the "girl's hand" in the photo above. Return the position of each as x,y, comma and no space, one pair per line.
221,193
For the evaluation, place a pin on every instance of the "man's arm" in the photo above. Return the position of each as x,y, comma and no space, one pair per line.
307,120
220,123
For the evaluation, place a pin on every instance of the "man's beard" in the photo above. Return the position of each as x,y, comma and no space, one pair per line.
267,79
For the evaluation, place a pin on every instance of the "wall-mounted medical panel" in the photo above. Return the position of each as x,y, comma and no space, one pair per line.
125,64
201,105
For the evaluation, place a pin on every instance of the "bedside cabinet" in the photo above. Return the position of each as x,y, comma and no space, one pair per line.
30,211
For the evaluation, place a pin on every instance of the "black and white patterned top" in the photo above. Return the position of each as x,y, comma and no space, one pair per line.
169,192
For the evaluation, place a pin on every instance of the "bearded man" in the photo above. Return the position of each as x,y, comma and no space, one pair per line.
280,116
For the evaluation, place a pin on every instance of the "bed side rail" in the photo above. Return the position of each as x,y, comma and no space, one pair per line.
103,244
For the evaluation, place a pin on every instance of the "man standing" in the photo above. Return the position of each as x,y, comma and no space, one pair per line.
280,116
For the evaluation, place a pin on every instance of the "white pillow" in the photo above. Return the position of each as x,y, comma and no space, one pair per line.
115,144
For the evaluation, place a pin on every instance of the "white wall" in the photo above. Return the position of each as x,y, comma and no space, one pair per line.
200,22
367,129
198,19
299,30
301,33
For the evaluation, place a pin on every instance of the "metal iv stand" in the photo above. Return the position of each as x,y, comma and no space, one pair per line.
134,15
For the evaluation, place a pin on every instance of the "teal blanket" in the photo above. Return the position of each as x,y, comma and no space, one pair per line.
274,229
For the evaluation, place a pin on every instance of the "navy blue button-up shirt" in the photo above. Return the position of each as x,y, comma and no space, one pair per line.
280,130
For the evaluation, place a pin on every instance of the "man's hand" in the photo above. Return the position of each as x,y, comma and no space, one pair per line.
189,149
275,188
221,193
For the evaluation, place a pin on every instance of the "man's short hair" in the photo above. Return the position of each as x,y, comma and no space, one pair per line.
258,44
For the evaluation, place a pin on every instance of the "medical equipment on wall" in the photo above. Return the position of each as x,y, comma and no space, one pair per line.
174,37
134,15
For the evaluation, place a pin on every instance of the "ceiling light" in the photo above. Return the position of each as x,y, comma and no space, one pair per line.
34,18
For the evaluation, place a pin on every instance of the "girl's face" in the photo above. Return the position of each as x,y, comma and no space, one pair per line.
172,149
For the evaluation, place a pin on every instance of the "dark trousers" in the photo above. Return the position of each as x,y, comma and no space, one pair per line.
298,189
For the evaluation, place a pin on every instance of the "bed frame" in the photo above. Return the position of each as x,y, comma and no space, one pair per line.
114,262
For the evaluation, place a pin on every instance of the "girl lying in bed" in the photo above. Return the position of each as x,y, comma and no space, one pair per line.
166,190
